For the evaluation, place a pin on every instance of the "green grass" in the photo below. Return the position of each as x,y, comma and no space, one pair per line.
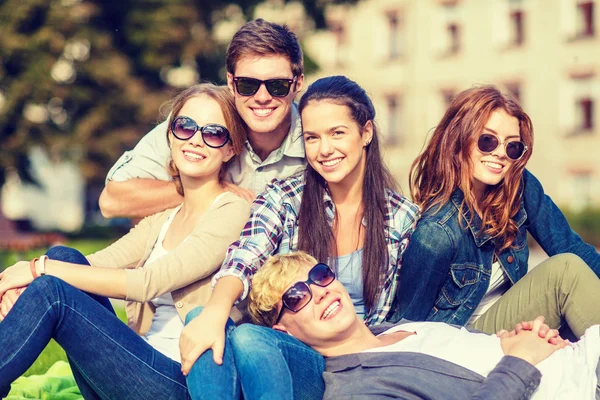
53,352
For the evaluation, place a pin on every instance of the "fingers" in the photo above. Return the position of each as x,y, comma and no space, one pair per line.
218,349
520,327
501,333
537,324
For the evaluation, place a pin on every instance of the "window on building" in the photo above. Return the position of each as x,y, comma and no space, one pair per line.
339,32
393,135
448,96
585,114
514,88
585,19
447,29
517,27
453,38
395,39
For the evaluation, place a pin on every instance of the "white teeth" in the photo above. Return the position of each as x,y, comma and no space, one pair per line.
492,164
330,310
193,155
331,163
262,112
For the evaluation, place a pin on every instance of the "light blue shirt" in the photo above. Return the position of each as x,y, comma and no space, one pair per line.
348,270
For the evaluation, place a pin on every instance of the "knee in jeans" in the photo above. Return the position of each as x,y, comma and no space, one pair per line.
246,335
66,254
46,284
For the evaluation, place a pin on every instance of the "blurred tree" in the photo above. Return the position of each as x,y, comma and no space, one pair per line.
84,78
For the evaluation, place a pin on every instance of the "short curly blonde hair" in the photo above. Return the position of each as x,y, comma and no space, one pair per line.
271,281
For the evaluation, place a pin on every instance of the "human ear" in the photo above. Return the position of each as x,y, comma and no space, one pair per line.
230,83
229,153
299,84
280,328
367,133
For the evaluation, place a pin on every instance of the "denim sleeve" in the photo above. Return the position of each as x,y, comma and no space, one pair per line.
425,266
512,378
549,227
147,160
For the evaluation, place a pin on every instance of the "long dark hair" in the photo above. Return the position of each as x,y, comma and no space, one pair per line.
445,163
315,235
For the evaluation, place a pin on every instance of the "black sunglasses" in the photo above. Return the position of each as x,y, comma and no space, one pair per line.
275,87
299,295
214,135
514,149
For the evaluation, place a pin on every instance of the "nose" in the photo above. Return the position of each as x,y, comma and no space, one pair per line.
500,151
325,147
197,140
262,95
319,293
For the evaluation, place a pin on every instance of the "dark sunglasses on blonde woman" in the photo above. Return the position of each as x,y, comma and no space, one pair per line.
213,135
299,295
514,149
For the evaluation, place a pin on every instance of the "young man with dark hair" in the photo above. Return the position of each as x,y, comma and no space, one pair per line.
265,73
421,360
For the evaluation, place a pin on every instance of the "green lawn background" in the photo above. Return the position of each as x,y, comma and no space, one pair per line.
53,352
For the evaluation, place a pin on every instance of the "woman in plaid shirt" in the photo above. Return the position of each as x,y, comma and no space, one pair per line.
344,210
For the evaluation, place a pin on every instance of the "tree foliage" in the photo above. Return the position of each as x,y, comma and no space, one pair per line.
85,79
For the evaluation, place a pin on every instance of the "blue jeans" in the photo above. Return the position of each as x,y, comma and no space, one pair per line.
208,380
275,365
268,364
109,360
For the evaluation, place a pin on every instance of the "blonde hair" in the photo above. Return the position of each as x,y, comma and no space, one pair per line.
234,123
271,281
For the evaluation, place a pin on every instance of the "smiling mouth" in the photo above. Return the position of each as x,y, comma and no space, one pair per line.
333,307
493,165
331,163
193,156
262,112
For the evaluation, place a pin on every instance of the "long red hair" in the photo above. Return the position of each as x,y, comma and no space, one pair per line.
445,165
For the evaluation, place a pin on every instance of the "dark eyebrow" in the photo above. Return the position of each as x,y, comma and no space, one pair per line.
332,129
496,133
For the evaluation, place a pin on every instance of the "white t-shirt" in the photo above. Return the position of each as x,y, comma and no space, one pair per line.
166,326
569,373
499,284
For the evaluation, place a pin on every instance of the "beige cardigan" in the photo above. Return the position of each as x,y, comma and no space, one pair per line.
185,271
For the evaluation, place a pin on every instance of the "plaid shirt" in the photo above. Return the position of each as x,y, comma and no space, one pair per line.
273,229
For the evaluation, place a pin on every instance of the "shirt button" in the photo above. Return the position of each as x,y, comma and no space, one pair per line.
510,259
179,304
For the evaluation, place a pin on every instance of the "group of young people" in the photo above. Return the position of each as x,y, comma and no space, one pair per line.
456,255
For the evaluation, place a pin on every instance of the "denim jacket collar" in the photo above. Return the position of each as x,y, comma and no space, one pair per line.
479,236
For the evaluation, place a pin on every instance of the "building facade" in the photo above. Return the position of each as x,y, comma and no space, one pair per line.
413,56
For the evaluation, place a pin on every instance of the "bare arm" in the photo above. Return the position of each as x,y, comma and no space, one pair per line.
102,281
138,198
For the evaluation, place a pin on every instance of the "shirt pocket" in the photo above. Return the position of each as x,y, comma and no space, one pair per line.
462,280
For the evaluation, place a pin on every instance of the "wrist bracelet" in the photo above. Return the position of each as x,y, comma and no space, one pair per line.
42,265
33,268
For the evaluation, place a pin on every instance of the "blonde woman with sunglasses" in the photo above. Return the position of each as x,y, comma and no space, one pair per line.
467,262
162,267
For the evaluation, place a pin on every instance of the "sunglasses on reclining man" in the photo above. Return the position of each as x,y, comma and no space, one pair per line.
213,135
276,87
299,295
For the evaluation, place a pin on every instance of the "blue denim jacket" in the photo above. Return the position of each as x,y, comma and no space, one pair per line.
447,267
